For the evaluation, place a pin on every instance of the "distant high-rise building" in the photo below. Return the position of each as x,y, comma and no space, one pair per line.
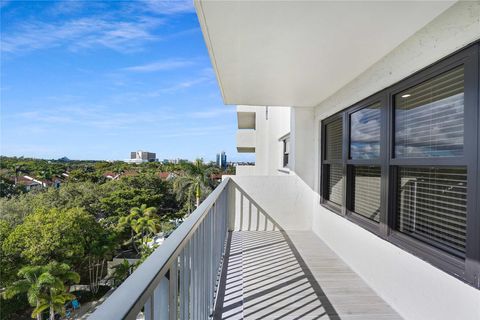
142,156
222,160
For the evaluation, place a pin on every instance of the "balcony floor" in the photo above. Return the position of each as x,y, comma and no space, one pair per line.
294,275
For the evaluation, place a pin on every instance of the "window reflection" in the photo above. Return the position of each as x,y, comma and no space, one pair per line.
429,118
365,133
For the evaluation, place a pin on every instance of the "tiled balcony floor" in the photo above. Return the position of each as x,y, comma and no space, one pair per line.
272,275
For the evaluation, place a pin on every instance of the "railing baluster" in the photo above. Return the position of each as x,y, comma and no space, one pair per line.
207,260
189,282
249,215
202,270
258,217
241,212
172,291
181,288
196,276
148,309
211,260
193,285
160,298
191,258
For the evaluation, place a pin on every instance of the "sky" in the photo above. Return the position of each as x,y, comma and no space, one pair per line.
96,80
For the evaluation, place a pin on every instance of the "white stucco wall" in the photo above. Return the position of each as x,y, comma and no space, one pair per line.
245,170
271,124
452,30
287,199
246,139
302,139
416,289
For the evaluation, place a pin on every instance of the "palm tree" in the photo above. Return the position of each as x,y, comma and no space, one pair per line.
189,187
28,284
54,295
45,287
143,222
145,228
122,271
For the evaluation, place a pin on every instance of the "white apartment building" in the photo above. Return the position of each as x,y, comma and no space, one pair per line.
142,156
418,281
364,120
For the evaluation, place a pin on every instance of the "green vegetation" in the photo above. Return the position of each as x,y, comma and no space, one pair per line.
45,287
65,229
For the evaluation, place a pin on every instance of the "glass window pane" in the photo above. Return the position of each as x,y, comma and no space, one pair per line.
429,118
366,192
335,184
432,206
333,139
365,133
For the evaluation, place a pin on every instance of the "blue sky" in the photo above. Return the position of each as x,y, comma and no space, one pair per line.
96,80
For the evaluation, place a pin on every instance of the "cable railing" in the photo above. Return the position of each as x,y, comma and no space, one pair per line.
179,279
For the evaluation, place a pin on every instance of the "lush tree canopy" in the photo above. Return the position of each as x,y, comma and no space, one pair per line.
101,209
55,234
123,194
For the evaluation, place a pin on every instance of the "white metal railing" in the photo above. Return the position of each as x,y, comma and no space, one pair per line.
180,278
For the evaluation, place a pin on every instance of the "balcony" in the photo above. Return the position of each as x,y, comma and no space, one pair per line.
245,255
246,117
245,170
246,141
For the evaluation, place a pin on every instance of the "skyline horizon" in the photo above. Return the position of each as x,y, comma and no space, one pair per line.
161,159
95,80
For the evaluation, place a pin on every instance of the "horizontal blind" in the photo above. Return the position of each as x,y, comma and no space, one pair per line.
366,192
365,133
335,184
429,117
333,139
432,205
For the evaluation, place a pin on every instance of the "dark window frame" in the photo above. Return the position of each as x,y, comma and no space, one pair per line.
285,154
326,166
467,269
368,224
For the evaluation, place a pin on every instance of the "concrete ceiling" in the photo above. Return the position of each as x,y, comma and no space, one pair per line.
297,53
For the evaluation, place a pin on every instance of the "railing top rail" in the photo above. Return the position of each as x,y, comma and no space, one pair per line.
128,299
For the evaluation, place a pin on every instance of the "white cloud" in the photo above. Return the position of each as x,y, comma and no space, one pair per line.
67,7
102,117
181,85
87,32
125,27
162,65
168,7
